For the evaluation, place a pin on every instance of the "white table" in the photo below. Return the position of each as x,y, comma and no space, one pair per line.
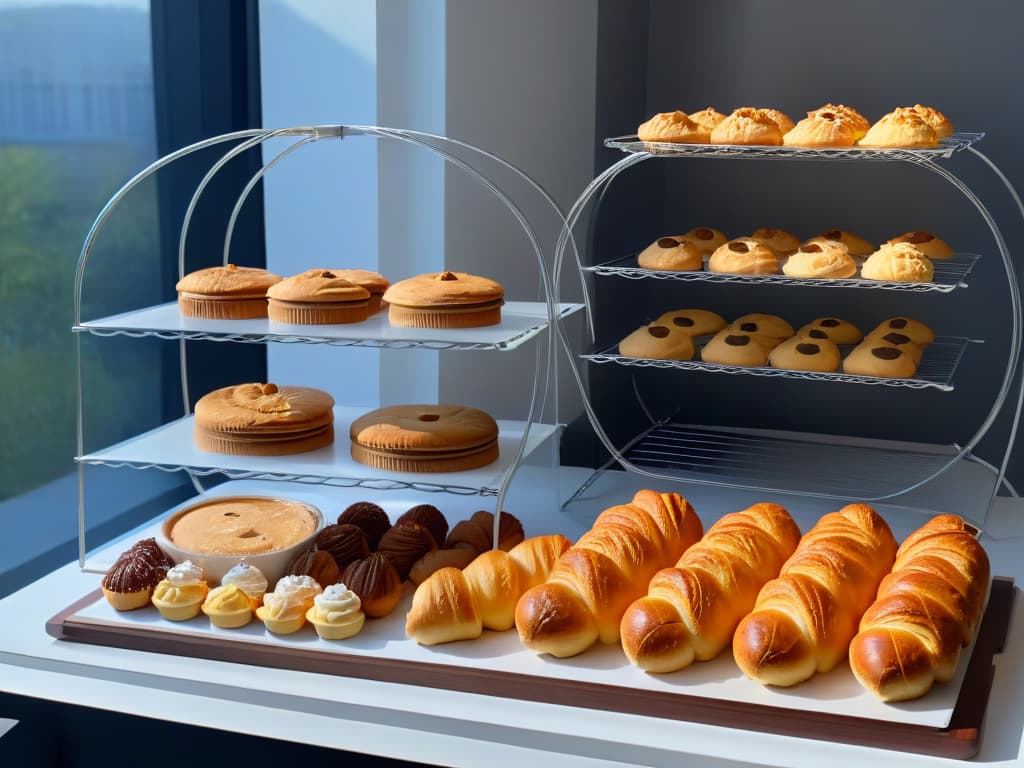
448,728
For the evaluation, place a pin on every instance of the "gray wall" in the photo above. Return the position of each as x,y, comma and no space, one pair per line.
796,56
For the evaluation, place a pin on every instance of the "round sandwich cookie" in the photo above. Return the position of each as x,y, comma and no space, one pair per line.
425,438
658,341
732,347
803,354
264,420
918,332
374,282
872,358
696,322
445,300
225,293
835,329
760,324
671,254
317,297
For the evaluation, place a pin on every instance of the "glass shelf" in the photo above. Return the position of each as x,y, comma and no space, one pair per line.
795,462
938,364
172,448
520,321
958,141
949,275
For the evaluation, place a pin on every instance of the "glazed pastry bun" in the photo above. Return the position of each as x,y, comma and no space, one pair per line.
744,256
901,262
824,260
938,121
780,241
748,126
903,127
850,115
926,243
671,254
672,127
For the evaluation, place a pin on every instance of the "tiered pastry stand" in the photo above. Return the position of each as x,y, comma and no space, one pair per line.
761,459
170,447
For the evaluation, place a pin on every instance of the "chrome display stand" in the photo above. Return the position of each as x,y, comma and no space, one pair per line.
170,447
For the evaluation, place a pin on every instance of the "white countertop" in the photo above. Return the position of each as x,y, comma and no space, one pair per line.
449,728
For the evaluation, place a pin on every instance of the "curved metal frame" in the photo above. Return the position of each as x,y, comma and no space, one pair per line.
600,184
256,137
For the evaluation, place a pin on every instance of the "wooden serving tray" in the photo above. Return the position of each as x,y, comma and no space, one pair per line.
959,739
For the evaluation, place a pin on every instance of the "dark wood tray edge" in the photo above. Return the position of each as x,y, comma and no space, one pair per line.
960,740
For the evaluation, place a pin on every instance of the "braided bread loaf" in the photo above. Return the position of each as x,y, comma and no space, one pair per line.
927,608
803,621
457,605
593,583
691,611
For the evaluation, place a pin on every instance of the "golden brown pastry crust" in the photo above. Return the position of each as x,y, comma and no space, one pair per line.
425,438
748,126
903,127
707,119
695,322
671,254
225,293
822,128
822,260
732,347
901,262
835,329
317,296
705,238
871,358
658,341
898,340
784,121
850,115
744,256
673,128
803,354
938,121
926,243
779,240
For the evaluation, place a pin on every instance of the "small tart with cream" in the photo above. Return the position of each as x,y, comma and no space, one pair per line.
336,613
249,579
284,610
181,593
228,607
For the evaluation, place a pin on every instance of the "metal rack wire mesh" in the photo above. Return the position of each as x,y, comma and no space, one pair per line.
936,370
949,275
958,141
814,465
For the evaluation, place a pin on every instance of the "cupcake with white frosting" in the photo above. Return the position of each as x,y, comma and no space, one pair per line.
336,613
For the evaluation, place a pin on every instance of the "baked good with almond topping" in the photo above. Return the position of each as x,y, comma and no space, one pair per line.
901,262
926,243
821,260
225,293
705,238
264,420
658,341
317,297
749,126
425,438
903,127
445,300
671,255
744,256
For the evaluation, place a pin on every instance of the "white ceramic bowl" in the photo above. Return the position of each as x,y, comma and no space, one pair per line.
272,564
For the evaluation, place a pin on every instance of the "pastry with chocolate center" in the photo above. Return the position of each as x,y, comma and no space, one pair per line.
130,582
780,241
821,260
761,324
857,247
